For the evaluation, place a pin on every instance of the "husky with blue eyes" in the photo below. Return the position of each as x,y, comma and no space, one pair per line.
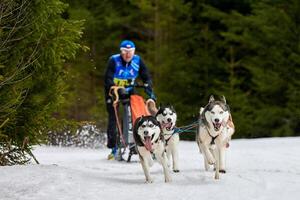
149,141
214,133
167,117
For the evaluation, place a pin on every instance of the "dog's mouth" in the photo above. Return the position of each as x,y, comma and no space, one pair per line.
217,126
168,126
148,143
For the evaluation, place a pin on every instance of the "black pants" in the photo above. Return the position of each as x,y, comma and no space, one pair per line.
112,122
111,128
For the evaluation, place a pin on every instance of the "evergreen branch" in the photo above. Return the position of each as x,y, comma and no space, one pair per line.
26,65
149,33
13,28
4,123
3,136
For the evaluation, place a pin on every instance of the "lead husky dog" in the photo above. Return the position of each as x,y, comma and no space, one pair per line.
149,140
214,132
167,117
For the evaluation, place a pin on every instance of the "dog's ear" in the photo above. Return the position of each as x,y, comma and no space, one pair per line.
172,108
137,138
154,120
211,99
138,120
168,104
223,99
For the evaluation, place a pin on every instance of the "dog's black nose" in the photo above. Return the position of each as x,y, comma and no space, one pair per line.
146,132
169,119
217,120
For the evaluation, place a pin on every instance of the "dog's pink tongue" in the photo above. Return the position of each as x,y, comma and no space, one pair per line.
148,144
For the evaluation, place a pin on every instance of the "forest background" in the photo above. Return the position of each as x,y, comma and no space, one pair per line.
53,55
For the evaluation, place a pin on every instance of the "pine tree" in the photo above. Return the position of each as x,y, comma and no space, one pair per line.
239,49
35,42
257,46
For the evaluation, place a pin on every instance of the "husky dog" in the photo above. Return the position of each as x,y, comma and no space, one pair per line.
149,140
214,133
167,117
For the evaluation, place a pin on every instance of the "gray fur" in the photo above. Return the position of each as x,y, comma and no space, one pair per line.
209,107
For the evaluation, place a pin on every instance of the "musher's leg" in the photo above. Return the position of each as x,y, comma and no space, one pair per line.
111,128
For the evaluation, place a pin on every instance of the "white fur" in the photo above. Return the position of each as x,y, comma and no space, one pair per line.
147,160
172,152
169,136
215,154
158,150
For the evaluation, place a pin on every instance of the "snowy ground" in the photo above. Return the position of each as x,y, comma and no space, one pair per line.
259,169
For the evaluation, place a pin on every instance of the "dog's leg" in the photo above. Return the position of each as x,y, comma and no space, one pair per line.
175,158
223,143
217,164
222,159
175,154
199,146
165,168
203,141
206,165
146,169
168,152
143,155
174,149
162,159
210,158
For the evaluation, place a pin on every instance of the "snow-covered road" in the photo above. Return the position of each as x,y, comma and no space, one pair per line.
266,169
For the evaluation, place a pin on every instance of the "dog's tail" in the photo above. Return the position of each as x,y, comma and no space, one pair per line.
151,106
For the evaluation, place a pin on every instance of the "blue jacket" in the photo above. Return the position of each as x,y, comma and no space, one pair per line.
120,73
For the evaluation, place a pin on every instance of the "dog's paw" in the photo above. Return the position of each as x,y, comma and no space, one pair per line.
176,170
217,176
223,171
149,180
168,179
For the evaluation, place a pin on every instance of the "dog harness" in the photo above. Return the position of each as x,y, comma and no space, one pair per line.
124,73
167,140
212,142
